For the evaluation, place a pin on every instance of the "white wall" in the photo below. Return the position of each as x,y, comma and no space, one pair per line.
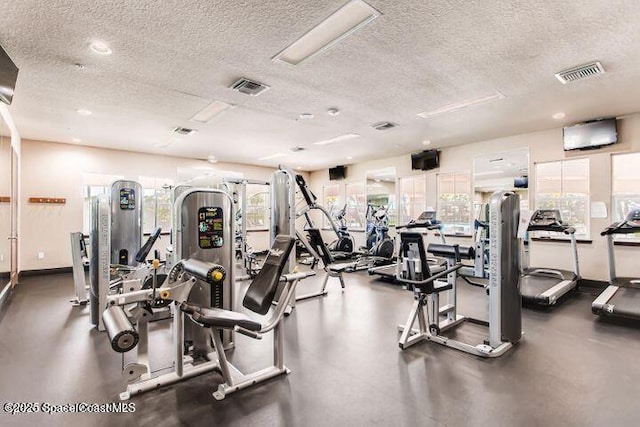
57,170
543,146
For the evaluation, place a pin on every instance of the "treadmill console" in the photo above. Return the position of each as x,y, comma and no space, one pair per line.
427,216
634,216
427,219
546,217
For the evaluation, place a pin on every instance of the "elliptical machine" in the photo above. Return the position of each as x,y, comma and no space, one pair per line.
379,244
344,242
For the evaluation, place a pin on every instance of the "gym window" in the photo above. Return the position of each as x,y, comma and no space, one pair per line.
156,203
625,192
257,207
564,185
454,202
412,198
94,185
356,206
330,201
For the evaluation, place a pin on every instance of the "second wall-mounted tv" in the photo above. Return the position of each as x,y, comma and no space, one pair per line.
339,172
590,135
426,160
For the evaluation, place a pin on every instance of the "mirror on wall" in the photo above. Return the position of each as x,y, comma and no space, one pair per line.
381,192
507,170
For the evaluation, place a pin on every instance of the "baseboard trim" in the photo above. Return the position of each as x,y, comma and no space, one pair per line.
59,270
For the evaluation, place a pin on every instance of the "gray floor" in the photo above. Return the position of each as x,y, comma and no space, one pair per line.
571,369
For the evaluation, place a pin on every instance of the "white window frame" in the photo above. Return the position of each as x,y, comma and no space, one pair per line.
562,197
616,213
407,202
467,228
155,188
355,209
262,209
331,207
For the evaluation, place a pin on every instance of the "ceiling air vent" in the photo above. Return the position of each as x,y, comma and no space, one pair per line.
296,149
384,125
580,72
249,87
184,131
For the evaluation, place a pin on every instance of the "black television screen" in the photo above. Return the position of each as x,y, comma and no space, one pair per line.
8,77
339,172
590,135
425,160
521,182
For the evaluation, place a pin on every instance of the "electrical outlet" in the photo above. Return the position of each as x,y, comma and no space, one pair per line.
40,255
1,257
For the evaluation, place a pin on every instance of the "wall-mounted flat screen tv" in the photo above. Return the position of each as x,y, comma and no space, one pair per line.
425,160
590,135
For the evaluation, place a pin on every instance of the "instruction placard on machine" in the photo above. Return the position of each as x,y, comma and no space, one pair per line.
210,228
127,199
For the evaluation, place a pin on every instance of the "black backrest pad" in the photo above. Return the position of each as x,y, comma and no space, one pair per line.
409,244
316,242
263,289
141,256
451,251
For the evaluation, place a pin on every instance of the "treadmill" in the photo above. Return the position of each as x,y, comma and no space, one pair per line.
427,220
622,297
544,286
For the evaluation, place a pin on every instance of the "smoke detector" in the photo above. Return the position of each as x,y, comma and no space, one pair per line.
249,87
384,125
580,72
184,131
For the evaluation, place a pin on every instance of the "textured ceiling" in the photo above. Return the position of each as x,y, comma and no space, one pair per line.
172,58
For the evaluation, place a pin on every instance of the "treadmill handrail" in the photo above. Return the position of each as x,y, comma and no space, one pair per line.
622,227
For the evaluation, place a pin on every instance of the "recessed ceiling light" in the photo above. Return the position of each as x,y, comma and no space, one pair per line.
76,140
212,159
460,105
84,112
342,23
426,142
558,116
210,111
101,48
337,139
333,112
349,158
272,156
305,116
298,167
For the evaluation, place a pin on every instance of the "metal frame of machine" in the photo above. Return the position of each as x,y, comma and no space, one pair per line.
620,298
203,225
546,285
505,308
80,260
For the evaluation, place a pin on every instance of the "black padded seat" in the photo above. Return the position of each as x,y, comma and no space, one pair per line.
451,251
339,268
217,317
